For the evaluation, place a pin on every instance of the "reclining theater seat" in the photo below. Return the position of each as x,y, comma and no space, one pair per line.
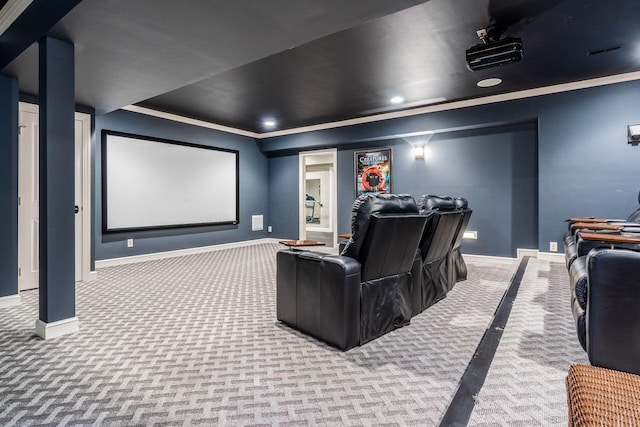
443,221
631,225
605,302
455,264
347,300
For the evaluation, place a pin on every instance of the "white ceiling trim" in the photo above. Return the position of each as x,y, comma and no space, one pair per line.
12,10
189,121
529,93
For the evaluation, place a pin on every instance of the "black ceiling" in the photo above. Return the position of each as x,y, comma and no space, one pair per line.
308,62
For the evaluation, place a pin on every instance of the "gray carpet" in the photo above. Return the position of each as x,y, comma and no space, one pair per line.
525,384
194,340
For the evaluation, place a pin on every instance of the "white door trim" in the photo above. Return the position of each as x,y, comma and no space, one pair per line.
85,119
302,233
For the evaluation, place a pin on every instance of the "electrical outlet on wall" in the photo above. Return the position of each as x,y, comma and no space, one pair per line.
129,243
553,246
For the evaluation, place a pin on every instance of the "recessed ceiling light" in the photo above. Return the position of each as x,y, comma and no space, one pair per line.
489,82
269,123
396,100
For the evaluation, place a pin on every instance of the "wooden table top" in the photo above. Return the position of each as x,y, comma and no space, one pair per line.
596,226
299,243
609,238
344,236
585,219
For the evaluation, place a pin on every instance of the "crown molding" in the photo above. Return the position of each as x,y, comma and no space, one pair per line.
510,96
11,11
189,121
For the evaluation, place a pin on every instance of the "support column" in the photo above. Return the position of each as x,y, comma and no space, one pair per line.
8,191
57,229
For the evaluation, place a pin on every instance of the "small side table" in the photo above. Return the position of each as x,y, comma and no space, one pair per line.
300,243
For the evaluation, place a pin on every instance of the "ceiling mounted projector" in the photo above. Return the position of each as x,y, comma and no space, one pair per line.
494,53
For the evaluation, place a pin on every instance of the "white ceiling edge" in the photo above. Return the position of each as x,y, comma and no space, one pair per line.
11,11
528,93
189,121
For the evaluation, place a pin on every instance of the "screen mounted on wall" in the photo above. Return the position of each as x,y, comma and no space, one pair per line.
153,183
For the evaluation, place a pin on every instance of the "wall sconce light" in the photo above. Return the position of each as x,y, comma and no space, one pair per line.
418,152
633,134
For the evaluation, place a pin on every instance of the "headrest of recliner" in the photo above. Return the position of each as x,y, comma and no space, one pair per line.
429,202
460,202
368,204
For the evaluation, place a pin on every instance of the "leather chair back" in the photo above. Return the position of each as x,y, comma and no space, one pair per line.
367,205
635,216
390,244
461,204
442,225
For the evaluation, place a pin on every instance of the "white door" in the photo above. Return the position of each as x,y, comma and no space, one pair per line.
28,198
78,197
28,213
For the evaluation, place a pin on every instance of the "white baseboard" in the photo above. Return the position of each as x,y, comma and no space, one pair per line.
56,329
10,301
93,275
488,259
555,257
552,256
521,253
180,252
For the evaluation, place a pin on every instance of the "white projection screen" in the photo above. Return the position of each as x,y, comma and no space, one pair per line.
152,183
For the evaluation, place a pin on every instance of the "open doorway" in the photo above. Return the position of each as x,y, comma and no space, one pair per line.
318,196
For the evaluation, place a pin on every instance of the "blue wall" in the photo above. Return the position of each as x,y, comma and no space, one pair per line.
494,168
585,166
253,188
8,186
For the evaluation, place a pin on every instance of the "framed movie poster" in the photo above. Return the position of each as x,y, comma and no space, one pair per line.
373,171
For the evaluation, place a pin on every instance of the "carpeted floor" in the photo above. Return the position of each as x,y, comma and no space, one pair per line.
194,340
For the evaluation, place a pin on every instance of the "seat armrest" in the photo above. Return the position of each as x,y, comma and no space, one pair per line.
286,285
340,301
584,219
319,294
594,226
610,238
623,223
613,317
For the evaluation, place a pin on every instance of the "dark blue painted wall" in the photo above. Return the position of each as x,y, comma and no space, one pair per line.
253,188
8,186
494,168
585,165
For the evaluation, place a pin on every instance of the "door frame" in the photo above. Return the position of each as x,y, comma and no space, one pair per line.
302,157
85,210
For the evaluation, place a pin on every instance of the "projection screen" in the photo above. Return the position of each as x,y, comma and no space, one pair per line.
153,183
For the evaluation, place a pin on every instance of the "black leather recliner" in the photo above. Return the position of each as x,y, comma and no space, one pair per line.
349,299
630,225
455,264
436,243
605,300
